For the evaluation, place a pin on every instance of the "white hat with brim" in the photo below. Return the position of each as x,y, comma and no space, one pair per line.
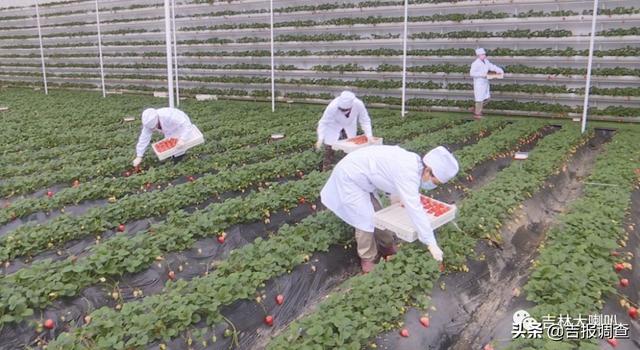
442,163
150,118
345,100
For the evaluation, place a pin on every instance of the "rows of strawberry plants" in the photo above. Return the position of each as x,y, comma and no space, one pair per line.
348,319
118,187
471,128
574,271
30,239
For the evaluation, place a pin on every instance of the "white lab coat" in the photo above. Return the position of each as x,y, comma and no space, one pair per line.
174,123
333,121
478,72
387,168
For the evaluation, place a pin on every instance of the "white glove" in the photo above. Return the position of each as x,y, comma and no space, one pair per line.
137,161
435,251
180,143
318,145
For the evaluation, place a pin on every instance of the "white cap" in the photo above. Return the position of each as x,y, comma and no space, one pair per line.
150,118
480,51
442,163
345,100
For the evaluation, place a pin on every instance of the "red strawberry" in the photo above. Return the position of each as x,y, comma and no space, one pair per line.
613,342
127,174
172,275
302,200
191,178
624,282
404,332
279,299
619,267
614,253
49,324
221,239
121,228
268,320
442,268
633,313
50,194
424,321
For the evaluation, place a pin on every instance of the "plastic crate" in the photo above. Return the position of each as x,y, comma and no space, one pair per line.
395,219
206,97
494,75
197,139
349,145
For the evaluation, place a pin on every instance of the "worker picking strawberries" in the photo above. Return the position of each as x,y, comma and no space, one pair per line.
171,122
349,193
341,118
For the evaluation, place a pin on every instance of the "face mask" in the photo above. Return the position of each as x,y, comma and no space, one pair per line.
428,185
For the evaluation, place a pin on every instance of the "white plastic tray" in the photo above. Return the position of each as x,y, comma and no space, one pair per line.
395,218
491,76
160,94
206,97
347,146
2,108
197,139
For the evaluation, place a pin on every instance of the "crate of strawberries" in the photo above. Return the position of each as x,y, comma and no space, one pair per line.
395,218
354,143
168,147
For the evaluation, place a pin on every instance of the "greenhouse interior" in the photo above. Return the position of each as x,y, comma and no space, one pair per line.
295,174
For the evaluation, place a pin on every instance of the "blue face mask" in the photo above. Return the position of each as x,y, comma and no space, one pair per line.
428,185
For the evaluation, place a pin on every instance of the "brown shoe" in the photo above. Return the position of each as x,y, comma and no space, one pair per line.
367,265
388,251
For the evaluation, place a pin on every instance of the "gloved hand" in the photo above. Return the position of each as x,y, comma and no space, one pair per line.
318,145
137,161
180,143
435,251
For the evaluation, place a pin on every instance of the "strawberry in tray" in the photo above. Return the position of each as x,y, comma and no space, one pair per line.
165,145
433,207
359,140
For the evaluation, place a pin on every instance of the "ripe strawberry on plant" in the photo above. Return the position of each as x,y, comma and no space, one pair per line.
618,267
613,342
268,320
624,282
49,324
404,332
171,275
50,194
221,238
279,299
121,228
424,321
633,313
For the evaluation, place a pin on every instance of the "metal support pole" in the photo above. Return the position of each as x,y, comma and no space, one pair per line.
44,71
404,57
587,87
175,50
273,74
104,89
167,30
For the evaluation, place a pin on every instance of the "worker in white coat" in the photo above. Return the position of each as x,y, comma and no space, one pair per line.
342,115
479,70
400,173
172,122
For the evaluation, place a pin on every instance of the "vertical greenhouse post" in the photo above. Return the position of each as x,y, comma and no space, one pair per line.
175,49
585,106
273,74
167,30
104,90
44,72
404,56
